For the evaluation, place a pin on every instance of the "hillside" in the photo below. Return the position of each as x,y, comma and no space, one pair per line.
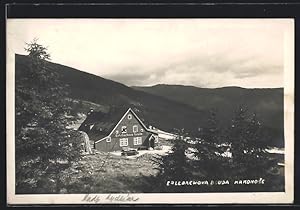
266,103
87,89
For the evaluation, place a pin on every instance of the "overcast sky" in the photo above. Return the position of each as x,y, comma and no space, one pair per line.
199,52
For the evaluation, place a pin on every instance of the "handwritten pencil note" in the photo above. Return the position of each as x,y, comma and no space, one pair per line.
113,198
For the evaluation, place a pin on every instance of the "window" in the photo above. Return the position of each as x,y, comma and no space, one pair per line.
124,129
137,140
129,117
135,129
155,139
108,139
142,130
124,142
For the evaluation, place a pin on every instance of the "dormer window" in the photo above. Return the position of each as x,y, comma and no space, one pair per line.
124,129
129,116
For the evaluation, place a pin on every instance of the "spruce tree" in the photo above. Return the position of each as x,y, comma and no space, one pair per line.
209,150
249,142
173,167
44,145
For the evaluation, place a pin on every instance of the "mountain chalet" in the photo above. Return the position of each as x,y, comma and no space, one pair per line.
113,132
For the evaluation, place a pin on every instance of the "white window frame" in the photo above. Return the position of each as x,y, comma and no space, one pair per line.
129,116
137,140
108,139
155,139
122,129
135,129
123,142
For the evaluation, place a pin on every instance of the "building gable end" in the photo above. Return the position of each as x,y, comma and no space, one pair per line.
126,113
122,118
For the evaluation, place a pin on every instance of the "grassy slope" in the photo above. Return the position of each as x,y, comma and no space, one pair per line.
116,175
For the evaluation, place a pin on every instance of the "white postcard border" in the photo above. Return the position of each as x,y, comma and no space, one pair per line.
163,198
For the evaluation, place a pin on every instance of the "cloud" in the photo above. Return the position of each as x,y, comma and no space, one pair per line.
199,52
203,71
131,78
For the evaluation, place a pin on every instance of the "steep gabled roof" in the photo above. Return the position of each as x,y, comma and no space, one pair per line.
99,125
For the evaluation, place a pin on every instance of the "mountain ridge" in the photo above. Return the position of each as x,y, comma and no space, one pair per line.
169,106
192,86
267,103
155,110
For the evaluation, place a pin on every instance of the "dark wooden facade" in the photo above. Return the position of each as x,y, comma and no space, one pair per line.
130,132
